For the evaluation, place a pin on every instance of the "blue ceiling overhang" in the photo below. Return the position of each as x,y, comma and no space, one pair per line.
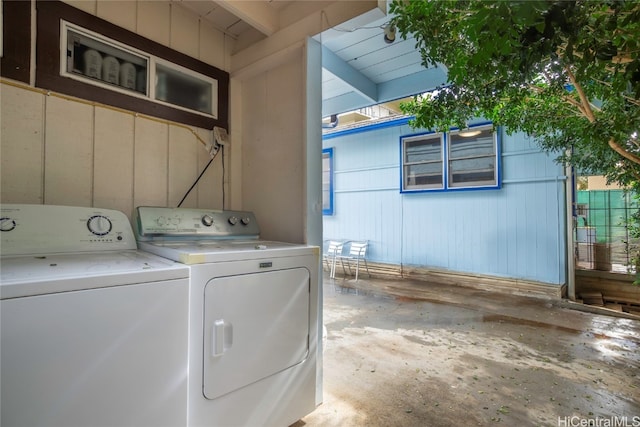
361,68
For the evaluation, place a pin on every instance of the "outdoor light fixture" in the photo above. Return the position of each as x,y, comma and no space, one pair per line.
389,33
468,133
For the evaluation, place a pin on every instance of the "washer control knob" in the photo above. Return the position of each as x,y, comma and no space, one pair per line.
207,220
99,225
245,221
7,224
233,220
161,221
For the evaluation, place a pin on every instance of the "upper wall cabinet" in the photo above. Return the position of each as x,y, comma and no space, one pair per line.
91,58
84,56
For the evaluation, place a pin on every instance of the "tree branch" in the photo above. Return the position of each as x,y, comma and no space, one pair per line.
624,153
584,101
586,107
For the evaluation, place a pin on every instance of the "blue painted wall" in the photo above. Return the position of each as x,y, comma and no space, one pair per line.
517,231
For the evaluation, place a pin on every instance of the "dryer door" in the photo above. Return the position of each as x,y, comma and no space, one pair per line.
255,325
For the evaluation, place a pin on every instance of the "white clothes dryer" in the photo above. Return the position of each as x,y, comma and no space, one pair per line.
253,316
93,331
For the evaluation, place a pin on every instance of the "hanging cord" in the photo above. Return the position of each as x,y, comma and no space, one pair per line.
223,175
197,179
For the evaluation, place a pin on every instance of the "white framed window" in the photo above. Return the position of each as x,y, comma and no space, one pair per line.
95,59
454,160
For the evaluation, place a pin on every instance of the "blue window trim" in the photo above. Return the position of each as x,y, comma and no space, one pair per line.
329,151
445,163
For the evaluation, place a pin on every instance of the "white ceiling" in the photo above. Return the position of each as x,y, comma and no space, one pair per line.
359,67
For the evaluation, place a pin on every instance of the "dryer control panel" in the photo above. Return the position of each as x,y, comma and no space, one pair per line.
167,223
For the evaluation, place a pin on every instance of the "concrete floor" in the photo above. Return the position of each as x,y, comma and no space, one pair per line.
419,354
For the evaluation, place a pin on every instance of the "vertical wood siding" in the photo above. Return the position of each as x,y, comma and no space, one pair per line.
60,151
517,231
273,157
22,167
68,148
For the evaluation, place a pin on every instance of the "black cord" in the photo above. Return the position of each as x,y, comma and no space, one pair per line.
198,179
223,194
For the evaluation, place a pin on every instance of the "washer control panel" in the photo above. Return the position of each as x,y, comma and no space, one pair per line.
154,222
37,229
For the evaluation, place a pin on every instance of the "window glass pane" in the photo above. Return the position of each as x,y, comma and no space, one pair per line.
327,181
422,162
460,147
98,60
472,159
183,89
428,175
478,171
423,150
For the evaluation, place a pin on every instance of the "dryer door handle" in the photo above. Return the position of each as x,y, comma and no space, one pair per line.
220,337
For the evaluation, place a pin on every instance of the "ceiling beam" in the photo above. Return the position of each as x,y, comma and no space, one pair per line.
246,62
345,72
258,14
423,81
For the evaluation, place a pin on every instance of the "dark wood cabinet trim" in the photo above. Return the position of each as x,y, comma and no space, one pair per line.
48,66
16,35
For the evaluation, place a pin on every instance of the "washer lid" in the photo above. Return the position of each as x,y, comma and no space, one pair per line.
26,275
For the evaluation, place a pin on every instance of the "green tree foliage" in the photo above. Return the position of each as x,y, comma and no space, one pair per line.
565,72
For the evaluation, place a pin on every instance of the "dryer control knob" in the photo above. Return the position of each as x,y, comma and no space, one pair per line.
7,224
99,225
233,220
207,220
245,221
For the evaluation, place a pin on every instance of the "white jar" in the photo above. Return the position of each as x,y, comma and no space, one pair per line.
110,70
141,81
128,75
92,63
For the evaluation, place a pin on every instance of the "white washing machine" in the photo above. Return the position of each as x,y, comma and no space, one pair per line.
254,316
93,331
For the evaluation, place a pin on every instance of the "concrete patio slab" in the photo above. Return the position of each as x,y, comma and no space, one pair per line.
403,353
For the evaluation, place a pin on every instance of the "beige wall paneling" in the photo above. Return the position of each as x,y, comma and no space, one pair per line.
185,31
209,187
183,166
154,21
151,163
89,6
233,151
113,160
21,145
119,12
273,165
253,97
68,168
213,47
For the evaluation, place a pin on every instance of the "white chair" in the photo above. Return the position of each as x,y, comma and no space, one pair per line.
334,250
357,254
